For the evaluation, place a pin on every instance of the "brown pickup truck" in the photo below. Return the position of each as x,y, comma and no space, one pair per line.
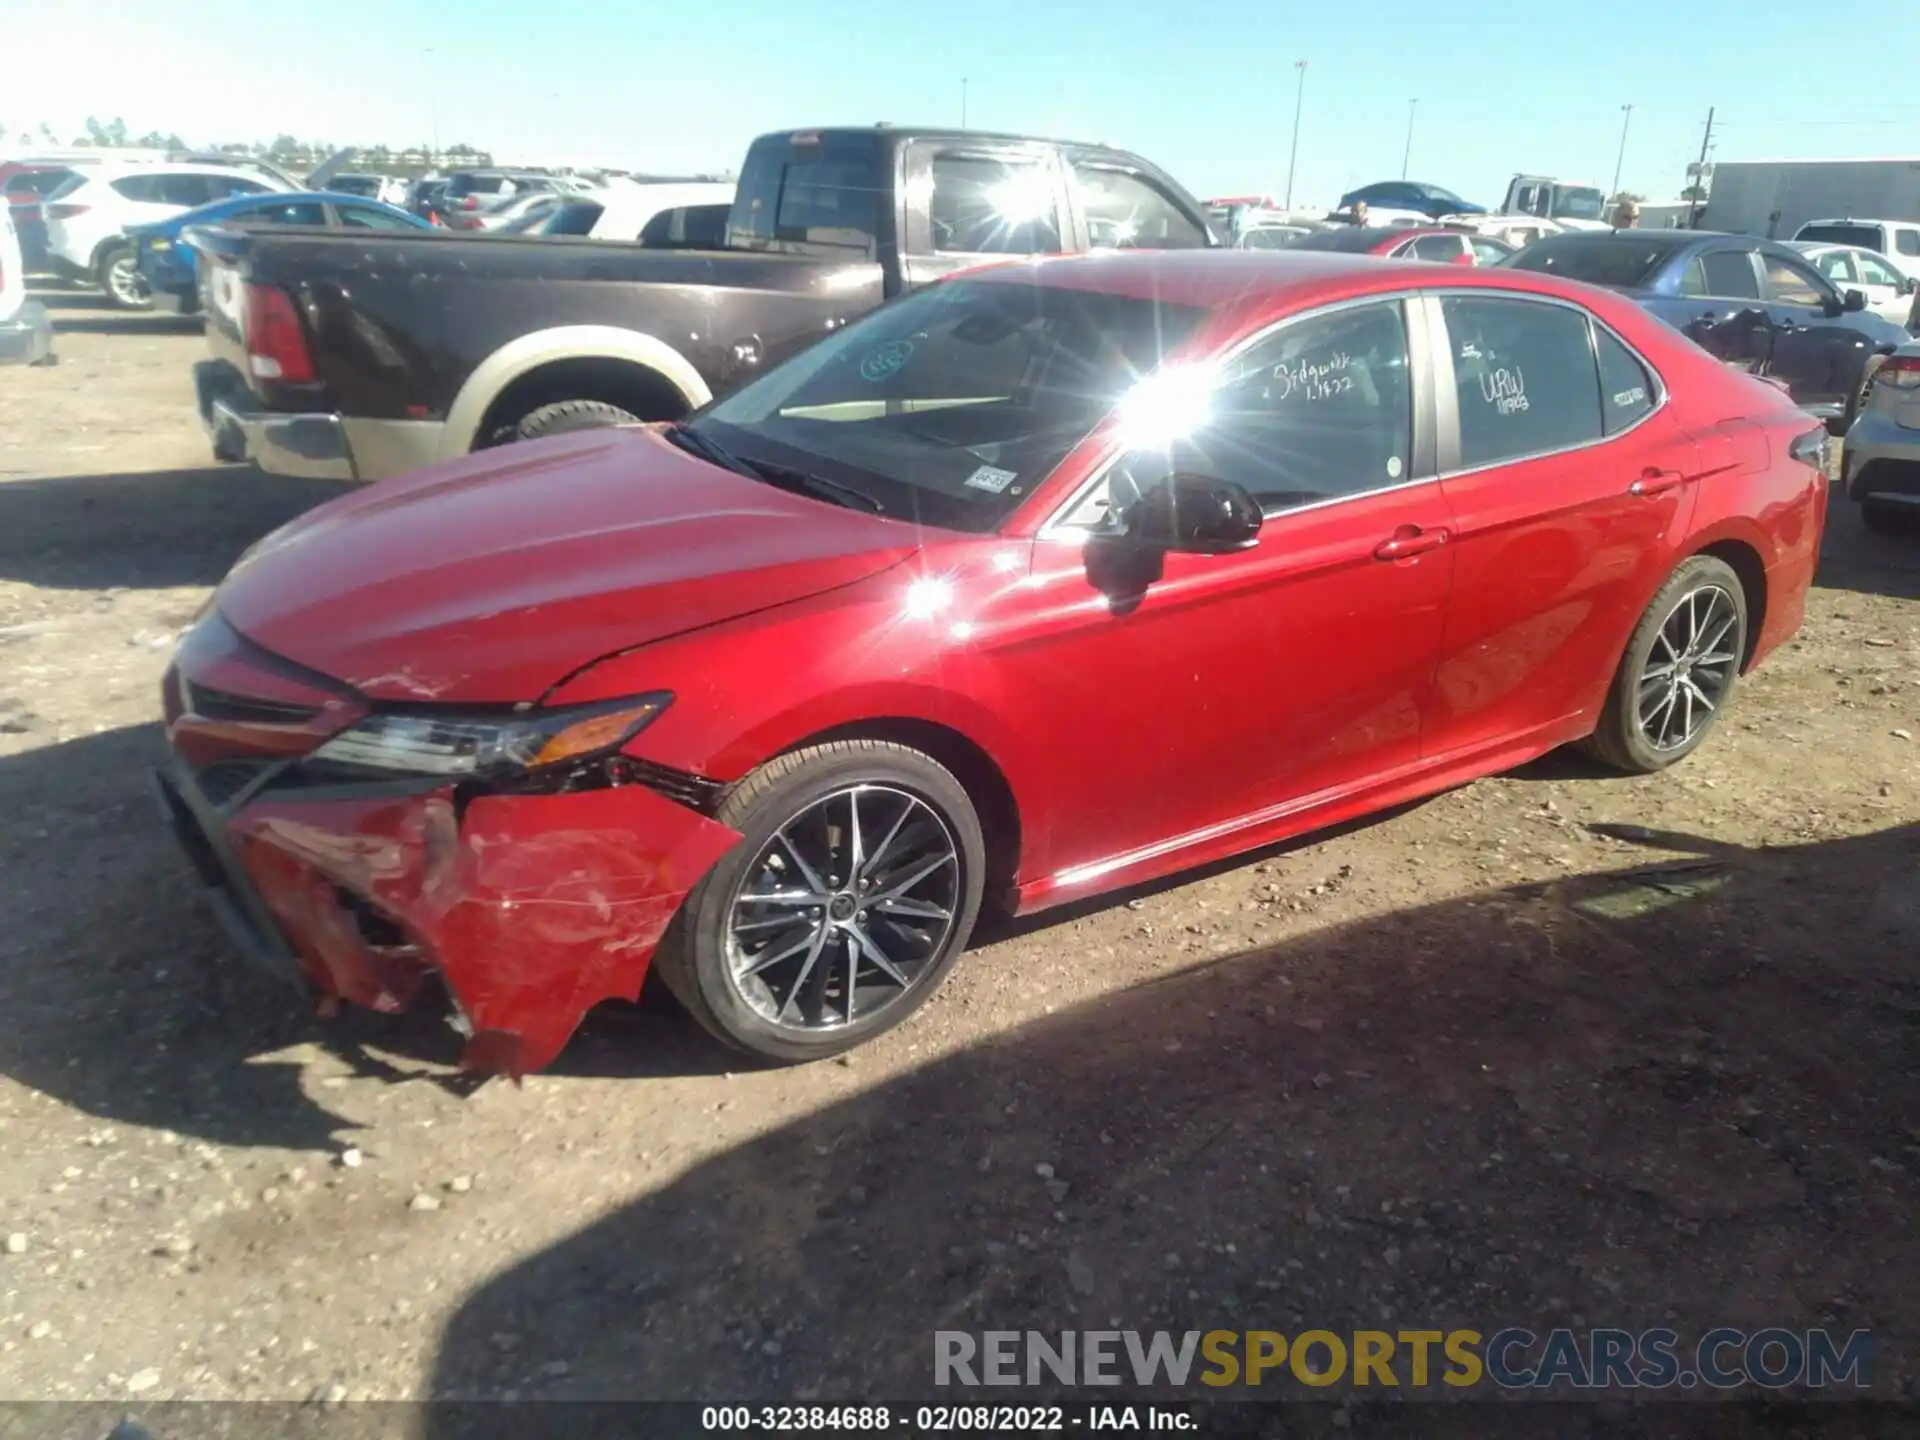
357,356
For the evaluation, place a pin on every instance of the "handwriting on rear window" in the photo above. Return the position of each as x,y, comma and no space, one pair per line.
1625,398
1505,389
1314,379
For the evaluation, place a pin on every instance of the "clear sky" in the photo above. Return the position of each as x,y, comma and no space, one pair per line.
1205,88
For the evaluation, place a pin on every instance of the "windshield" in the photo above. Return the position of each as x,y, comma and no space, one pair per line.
1619,260
1867,237
951,405
1579,202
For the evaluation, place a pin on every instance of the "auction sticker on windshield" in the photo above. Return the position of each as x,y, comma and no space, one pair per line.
988,477
886,360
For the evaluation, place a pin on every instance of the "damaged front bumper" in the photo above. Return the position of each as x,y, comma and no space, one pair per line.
531,908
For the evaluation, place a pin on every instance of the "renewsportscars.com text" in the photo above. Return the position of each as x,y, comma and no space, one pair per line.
1511,1358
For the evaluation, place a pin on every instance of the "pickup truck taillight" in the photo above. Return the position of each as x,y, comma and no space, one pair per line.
276,345
66,212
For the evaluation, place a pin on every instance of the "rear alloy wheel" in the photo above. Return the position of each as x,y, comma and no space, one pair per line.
1679,671
120,277
855,888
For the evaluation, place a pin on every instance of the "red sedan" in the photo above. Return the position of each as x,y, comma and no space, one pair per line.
1045,580
1408,242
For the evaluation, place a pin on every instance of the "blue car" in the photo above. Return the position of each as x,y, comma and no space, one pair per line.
1757,304
171,269
1433,201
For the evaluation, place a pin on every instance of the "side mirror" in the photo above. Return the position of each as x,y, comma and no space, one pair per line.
1195,515
1910,286
1855,300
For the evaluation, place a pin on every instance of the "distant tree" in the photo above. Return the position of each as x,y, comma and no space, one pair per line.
46,132
284,147
377,156
117,132
1695,191
1626,195
96,133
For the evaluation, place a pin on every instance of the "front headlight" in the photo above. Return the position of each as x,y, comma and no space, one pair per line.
462,747
160,244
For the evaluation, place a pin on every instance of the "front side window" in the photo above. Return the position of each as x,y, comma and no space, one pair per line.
1791,283
1524,376
1875,271
1729,275
142,189
1126,212
949,406
1445,248
1318,410
364,217
983,205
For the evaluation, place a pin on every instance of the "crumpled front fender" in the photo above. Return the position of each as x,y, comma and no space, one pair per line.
534,908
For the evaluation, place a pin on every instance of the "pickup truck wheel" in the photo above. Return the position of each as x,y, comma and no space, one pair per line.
120,277
853,891
571,415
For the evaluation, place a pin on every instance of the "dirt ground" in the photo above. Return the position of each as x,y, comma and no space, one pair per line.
1463,1065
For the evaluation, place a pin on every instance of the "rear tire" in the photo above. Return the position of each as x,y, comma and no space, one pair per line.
119,275
567,416
722,955
1684,658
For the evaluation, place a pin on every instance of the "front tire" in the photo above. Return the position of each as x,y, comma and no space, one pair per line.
120,277
854,889
1680,670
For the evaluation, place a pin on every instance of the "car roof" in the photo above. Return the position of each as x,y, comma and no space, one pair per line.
116,170
1856,220
1218,278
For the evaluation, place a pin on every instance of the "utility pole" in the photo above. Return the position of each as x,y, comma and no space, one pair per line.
1700,174
963,102
1621,160
1407,154
1299,101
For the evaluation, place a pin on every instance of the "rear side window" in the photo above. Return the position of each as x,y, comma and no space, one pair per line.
1626,390
577,219
1126,212
1438,247
142,189
1907,242
302,212
1729,273
827,202
1525,378
190,190
992,205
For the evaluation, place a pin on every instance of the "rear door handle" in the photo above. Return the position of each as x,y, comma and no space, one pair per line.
1656,482
1408,541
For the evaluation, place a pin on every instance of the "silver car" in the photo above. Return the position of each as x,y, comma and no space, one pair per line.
1882,455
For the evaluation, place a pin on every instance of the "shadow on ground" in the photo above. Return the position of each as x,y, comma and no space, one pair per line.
1683,1095
155,529
122,322
1852,558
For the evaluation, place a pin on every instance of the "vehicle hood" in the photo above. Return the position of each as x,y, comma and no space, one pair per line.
491,578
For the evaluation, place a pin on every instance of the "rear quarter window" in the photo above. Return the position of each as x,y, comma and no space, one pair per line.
1626,389
1619,263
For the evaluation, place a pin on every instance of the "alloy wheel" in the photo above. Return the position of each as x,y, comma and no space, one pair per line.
844,909
1689,668
126,283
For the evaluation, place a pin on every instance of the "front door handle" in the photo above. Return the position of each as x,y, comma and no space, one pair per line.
1408,541
1656,482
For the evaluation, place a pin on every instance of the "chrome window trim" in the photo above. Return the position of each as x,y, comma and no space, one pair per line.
1448,394
1420,468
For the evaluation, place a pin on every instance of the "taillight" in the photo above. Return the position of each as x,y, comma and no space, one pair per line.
66,212
276,345
1900,371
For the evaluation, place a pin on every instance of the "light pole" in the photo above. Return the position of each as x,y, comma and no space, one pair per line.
433,106
1407,154
1299,101
1626,114
963,102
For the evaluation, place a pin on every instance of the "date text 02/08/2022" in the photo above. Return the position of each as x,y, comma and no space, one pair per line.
942,1419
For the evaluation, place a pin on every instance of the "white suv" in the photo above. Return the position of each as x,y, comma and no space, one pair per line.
87,217
1898,240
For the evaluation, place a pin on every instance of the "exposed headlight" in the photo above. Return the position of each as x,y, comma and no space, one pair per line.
482,747
160,245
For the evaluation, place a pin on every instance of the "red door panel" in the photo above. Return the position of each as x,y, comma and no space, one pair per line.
1231,682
